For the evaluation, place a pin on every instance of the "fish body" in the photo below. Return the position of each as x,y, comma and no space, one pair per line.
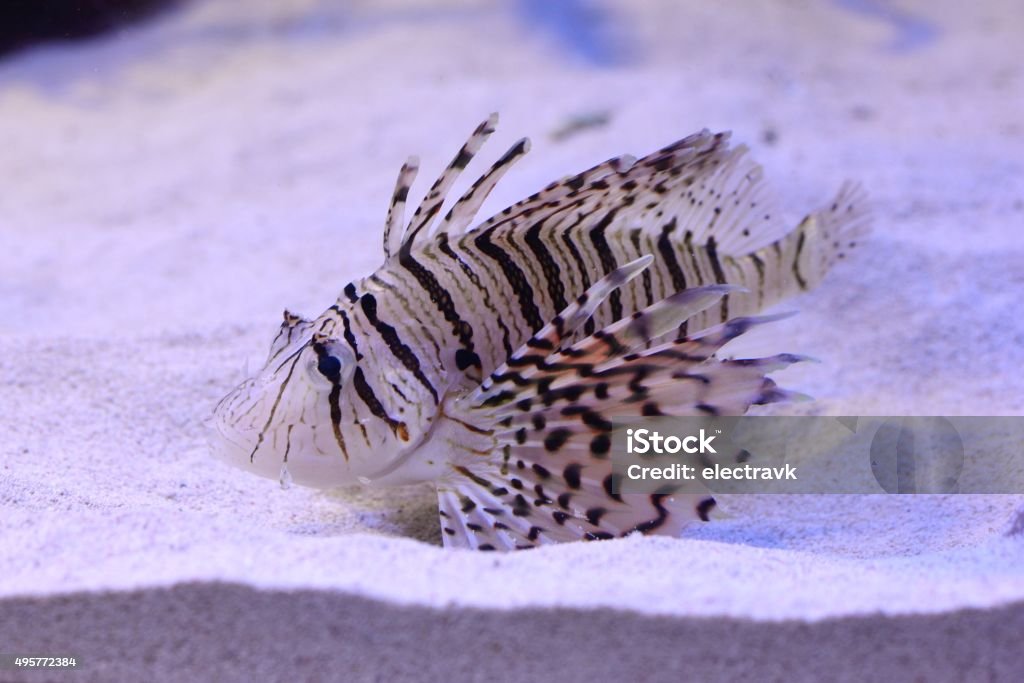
491,359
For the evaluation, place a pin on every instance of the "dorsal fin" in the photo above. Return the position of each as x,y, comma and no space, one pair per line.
460,215
431,204
699,188
717,192
396,212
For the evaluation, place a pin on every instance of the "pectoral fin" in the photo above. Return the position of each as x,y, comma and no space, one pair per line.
548,412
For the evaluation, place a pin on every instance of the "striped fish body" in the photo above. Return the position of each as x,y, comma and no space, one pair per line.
585,302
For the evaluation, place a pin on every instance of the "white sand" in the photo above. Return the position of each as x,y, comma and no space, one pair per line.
167,192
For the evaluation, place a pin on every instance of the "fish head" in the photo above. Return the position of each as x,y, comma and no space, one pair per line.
300,417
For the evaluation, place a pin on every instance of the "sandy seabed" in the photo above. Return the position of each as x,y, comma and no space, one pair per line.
167,191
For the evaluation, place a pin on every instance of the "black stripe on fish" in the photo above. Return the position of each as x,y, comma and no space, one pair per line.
516,278
446,249
395,343
349,337
668,254
333,400
716,267
332,371
667,249
442,298
570,242
600,242
796,261
759,265
366,393
634,236
552,272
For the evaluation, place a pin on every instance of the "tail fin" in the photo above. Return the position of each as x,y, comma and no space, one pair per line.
828,235
798,261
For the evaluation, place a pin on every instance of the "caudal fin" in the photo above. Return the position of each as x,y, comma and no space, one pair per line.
828,235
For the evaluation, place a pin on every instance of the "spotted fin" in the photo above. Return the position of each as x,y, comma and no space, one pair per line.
700,181
547,476
428,209
464,211
393,228
828,235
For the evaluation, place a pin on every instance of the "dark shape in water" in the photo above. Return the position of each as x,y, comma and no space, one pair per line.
27,22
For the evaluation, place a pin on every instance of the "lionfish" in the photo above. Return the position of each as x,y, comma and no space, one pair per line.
492,360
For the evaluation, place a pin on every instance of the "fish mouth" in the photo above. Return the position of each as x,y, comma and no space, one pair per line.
228,447
303,467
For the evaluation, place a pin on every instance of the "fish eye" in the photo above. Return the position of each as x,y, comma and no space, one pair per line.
332,364
329,367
